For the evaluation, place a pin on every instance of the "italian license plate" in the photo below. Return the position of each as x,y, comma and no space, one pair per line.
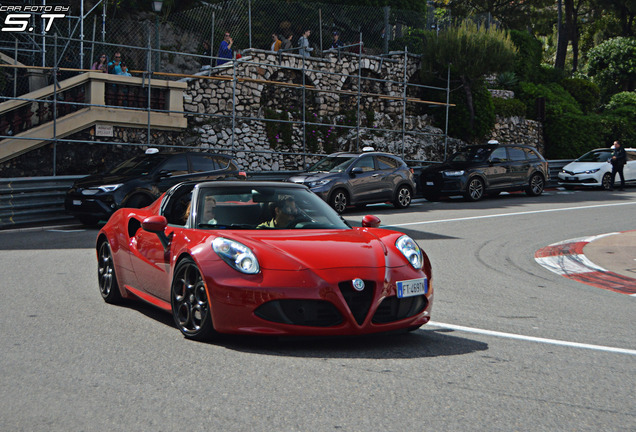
570,178
77,202
413,287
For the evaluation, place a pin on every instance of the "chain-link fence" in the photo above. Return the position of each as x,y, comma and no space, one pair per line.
294,125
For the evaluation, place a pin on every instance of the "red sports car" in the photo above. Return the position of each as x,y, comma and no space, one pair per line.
263,258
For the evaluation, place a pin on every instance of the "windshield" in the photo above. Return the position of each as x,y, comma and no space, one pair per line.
334,164
138,165
596,156
263,207
471,154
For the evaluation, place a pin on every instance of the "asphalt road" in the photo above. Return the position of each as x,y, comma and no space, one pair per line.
563,357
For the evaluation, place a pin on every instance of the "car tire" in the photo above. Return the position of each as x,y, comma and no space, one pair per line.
403,197
190,303
339,200
107,280
138,201
474,189
536,185
606,181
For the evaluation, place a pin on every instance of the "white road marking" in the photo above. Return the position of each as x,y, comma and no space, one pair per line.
532,338
512,214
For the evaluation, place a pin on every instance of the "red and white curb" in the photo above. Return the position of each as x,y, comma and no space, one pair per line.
567,259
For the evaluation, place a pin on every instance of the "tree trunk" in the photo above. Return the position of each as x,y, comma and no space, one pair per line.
572,31
562,41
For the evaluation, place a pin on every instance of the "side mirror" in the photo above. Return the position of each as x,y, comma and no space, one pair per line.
157,225
370,221
355,170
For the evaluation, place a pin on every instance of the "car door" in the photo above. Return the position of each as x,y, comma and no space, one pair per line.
387,167
151,263
364,179
519,166
629,170
497,170
172,171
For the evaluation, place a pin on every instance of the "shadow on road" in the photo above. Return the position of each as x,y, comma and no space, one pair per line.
420,343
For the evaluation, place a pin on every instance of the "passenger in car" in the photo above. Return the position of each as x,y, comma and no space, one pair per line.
209,207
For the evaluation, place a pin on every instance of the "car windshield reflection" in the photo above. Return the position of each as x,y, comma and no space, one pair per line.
333,164
477,154
138,165
595,156
266,208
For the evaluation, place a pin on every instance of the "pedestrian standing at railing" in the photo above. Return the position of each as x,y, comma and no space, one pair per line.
101,64
287,42
225,50
277,43
303,43
336,43
114,67
618,160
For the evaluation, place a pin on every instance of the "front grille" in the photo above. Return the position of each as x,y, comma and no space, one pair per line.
359,302
314,313
394,308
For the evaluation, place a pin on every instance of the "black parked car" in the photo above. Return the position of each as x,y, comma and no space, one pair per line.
344,179
137,182
487,169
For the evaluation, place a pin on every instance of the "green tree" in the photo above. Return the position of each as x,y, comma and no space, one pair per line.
612,65
472,51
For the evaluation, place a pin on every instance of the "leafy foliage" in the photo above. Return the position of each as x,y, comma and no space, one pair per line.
459,115
569,135
557,100
586,93
529,54
621,101
612,65
509,107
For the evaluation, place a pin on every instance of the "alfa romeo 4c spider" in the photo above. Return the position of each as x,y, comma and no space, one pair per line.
263,258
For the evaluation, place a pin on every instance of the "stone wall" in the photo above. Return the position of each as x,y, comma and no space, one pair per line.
332,95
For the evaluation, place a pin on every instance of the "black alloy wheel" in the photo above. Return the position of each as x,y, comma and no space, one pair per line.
339,200
606,182
536,185
189,300
108,286
402,197
475,189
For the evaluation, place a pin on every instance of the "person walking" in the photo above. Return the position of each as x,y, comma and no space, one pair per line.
303,43
287,42
618,160
276,44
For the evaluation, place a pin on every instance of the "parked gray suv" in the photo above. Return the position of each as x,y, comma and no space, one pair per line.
344,179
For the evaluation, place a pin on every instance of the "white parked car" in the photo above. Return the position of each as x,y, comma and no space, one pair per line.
593,169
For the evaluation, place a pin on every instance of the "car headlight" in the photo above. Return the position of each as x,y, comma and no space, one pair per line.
411,251
236,254
317,183
109,188
454,173
592,171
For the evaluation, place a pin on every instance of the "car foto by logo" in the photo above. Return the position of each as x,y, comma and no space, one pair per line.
18,17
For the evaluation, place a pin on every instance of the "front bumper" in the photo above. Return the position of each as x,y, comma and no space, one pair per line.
579,179
97,206
316,303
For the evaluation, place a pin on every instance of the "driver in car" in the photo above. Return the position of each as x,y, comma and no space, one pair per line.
285,213
209,208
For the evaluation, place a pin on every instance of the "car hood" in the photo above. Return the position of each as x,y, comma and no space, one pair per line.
100,179
305,178
584,166
312,249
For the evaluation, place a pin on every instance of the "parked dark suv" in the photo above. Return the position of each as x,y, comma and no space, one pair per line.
486,169
137,182
344,179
